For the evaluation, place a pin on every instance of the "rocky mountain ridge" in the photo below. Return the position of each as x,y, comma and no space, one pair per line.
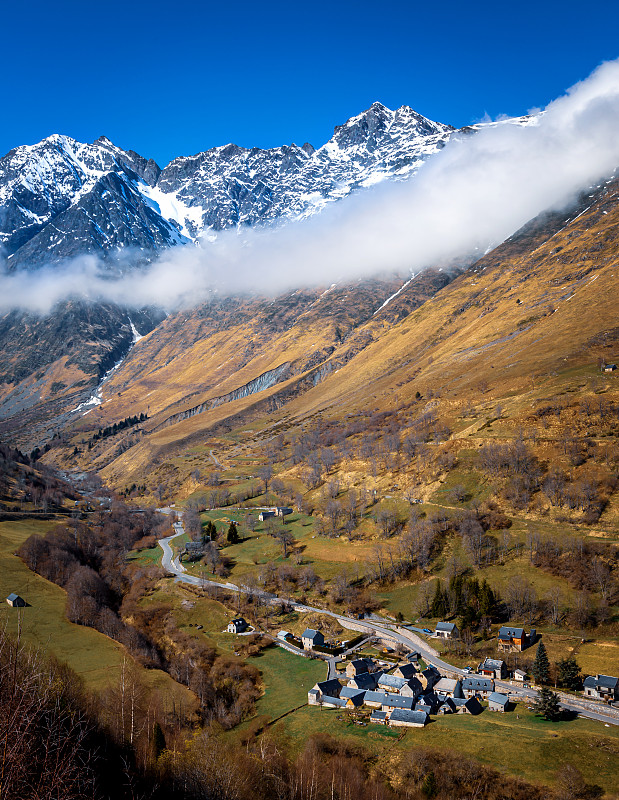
60,198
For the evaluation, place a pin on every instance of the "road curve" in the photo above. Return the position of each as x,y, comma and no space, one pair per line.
410,640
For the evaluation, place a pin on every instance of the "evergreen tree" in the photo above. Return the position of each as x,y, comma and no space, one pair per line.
233,534
158,740
439,602
568,673
210,532
547,704
541,665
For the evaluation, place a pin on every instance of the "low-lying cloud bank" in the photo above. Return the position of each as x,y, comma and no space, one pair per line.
469,197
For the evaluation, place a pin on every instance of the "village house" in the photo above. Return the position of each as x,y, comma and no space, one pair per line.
16,601
364,680
448,687
492,668
429,677
354,697
412,688
238,625
610,367
474,686
402,717
378,717
446,630
512,640
406,671
447,706
520,675
467,705
413,657
602,687
358,666
264,515
283,511
322,689
498,701
390,683
192,551
427,703
311,638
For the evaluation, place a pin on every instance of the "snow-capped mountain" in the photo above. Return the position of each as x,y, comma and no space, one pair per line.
60,198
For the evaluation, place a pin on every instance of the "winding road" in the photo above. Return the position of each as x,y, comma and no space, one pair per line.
596,711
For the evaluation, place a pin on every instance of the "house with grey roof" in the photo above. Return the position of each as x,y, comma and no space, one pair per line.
390,683
379,717
520,675
333,702
492,668
446,630
403,717
264,515
475,686
16,601
448,687
310,638
353,697
498,701
601,687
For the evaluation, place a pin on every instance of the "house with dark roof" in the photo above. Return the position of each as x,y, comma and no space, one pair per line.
283,511
15,601
310,638
429,677
413,656
238,625
447,706
365,680
192,551
412,688
512,640
379,717
498,701
406,671
403,717
602,687
492,668
358,666
446,630
330,688
475,686
427,702
467,705
264,515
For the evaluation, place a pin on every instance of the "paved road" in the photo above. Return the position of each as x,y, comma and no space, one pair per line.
410,640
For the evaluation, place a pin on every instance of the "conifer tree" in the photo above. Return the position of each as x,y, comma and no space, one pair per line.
568,673
233,534
547,704
541,666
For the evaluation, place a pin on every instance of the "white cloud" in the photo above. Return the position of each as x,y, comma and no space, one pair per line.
472,195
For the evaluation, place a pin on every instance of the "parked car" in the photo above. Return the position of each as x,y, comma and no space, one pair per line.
426,630
467,670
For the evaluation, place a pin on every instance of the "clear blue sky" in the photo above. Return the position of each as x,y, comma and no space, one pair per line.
176,78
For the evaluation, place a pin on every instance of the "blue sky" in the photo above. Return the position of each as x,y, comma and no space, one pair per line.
176,78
